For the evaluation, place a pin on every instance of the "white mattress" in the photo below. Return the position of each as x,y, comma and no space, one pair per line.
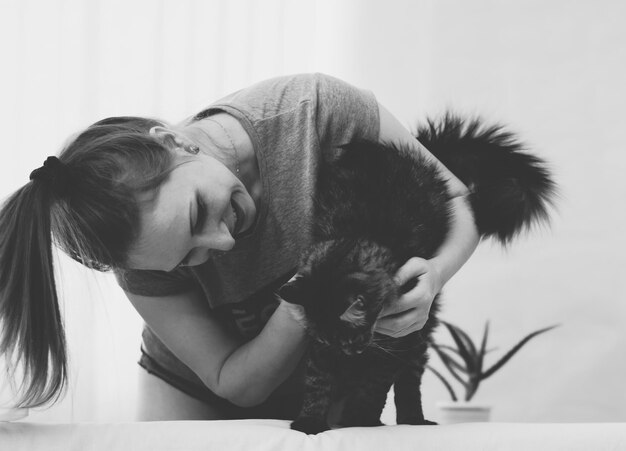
276,435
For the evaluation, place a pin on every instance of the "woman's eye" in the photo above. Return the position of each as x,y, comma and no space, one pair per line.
197,227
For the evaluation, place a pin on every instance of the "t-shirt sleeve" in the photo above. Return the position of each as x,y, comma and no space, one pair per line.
344,112
341,113
155,283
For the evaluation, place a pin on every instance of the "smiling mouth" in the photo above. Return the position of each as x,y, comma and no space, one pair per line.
238,218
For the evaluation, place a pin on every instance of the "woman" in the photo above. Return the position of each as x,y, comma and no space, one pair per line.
202,222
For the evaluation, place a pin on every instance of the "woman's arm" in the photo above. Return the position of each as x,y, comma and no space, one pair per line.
244,373
463,237
411,311
459,244
254,370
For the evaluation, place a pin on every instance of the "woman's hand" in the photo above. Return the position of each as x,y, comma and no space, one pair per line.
410,312
295,312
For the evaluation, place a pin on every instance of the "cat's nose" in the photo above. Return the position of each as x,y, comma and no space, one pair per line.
356,350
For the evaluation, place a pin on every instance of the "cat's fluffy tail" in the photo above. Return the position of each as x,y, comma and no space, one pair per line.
510,189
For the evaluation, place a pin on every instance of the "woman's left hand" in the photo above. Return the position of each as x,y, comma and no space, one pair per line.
410,312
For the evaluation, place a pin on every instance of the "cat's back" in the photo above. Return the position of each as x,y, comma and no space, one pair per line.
391,194
373,170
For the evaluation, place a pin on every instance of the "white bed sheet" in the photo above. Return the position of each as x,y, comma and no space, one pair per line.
265,435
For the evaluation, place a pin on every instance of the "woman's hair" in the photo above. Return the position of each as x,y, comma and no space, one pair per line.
95,220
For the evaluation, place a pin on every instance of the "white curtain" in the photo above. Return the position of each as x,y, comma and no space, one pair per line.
68,63
553,70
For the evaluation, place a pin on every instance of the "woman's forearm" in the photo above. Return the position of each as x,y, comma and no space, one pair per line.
257,368
460,242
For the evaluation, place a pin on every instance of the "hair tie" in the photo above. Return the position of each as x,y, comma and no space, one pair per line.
53,172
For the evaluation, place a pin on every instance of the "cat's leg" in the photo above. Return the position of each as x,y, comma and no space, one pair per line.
317,395
366,400
407,391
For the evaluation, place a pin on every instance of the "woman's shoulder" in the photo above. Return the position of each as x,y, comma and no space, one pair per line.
272,96
280,94
285,93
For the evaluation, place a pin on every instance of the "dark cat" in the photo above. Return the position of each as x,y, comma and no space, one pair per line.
376,207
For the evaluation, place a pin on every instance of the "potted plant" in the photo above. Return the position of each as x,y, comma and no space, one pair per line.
465,363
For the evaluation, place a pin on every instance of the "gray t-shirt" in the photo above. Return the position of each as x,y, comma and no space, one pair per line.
292,121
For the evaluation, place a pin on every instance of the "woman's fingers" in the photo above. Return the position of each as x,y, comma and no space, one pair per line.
410,312
402,324
414,267
419,297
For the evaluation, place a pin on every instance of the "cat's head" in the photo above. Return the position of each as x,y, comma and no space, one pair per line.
343,285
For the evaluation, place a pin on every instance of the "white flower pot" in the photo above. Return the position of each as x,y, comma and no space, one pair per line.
451,412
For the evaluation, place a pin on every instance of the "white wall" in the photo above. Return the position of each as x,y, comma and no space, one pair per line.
553,70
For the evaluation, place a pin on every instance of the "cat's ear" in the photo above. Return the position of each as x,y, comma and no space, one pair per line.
292,291
355,314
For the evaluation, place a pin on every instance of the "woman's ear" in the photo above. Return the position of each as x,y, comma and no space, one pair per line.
166,136
356,313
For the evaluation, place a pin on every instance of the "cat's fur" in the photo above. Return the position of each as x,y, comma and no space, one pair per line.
376,207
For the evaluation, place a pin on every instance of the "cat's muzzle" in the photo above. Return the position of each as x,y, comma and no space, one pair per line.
354,351
357,347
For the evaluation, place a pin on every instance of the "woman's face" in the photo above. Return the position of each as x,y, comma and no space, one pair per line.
201,206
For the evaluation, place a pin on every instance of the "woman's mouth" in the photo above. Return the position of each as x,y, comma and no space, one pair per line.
238,215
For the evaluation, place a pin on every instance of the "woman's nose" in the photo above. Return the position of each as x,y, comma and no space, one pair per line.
218,238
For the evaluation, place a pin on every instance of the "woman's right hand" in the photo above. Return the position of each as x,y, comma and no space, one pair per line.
295,311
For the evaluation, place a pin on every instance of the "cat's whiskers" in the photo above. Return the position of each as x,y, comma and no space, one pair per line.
395,350
389,352
394,342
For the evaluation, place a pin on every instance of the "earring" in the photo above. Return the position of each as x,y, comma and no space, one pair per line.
192,149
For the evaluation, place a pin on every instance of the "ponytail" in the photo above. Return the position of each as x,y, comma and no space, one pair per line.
32,335
90,209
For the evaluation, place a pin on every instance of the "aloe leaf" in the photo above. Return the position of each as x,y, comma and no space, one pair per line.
466,350
466,338
452,366
446,350
483,347
462,348
514,350
449,348
469,394
456,351
444,381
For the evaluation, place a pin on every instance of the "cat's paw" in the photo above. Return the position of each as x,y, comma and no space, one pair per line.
416,422
429,423
361,422
310,425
